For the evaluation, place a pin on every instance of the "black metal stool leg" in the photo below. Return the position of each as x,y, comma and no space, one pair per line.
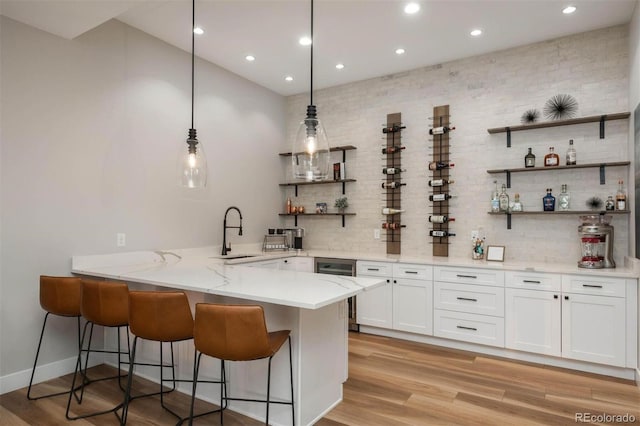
293,410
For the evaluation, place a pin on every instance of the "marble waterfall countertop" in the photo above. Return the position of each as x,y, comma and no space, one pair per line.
204,270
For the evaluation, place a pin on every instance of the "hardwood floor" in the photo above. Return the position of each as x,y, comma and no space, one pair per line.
391,382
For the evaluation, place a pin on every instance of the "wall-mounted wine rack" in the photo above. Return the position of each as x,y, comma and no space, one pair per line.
440,232
392,154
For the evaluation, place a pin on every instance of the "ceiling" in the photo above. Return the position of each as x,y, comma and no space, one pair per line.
361,34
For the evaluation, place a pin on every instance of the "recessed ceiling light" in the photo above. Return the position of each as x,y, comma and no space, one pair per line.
411,8
250,58
198,30
305,41
288,78
569,9
339,66
400,51
476,33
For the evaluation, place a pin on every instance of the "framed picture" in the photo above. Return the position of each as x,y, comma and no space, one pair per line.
321,208
495,253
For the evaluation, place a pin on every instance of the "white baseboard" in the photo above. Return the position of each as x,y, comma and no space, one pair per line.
20,379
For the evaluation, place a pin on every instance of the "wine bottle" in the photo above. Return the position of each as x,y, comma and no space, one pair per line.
388,210
393,129
392,149
436,233
621,197
440,182
440,130
440,197
440,219
392,225
392,170
530,159
503,199
439,165
392,185
571,154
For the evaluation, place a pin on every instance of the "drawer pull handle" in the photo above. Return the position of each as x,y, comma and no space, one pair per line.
531,281
410,272
466,276
467,298
373,269
467,328
591,286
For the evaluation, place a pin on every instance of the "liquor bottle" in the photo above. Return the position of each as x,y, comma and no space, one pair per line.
610,205
564,198
440,197
440,130
495,199
387,210
436,233
288,206
530,159
392,149
517,205
548,201
503,199
392,185
551,159
439,165
440,219
571,154
392,170
440,182
392,225
621,197
393,129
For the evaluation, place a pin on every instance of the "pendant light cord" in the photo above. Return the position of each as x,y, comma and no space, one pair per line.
312,43
193,55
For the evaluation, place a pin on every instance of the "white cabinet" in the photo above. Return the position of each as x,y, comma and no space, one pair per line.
594,320
294,263
469,305
374,307
412,298
404,303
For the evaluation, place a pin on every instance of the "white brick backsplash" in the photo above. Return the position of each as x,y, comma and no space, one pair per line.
486,91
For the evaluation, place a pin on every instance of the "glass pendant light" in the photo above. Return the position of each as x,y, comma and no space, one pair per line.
310,157
192,164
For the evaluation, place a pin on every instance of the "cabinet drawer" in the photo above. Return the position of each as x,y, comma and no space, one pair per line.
469,298
533,280
600,286
469,276
374,269
483,329
413,271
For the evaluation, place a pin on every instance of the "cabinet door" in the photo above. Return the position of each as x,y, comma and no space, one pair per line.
267,264
412,305
302,264
593,328
374,306
532,321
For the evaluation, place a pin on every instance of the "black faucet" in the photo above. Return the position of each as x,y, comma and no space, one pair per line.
226,249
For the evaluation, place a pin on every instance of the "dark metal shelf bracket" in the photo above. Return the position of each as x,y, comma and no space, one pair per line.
602,120
602,174
508,137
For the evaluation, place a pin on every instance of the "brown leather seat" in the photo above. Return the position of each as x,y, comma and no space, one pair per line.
58,296
238,333
104,303
160,316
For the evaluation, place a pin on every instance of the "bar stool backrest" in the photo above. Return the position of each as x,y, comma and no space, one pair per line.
60,295
163,316
105,303
232,332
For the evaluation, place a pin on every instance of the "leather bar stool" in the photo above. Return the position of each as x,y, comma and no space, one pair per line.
238,333
58,296
164,317
103,303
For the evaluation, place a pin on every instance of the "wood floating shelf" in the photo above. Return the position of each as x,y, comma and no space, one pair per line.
565,212
316,215
601,166
318,182
334,149
568,122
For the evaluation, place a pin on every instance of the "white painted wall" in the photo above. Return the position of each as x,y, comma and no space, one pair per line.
90,134
486,91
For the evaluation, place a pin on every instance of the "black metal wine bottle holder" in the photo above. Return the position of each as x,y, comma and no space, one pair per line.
392,154
440,154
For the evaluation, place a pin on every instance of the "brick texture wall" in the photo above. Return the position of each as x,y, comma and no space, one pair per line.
486,91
